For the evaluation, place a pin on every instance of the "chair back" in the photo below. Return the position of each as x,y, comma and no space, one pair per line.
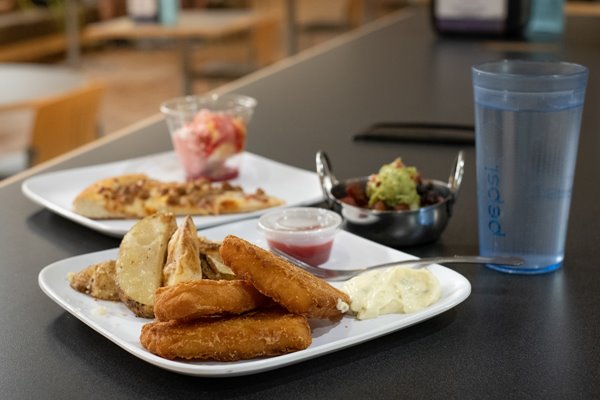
65,122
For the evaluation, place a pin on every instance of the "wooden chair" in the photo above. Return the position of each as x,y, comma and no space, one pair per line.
66,122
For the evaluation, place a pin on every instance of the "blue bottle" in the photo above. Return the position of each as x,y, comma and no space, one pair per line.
168,12
546,19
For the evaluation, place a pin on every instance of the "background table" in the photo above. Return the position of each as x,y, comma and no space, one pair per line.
25,84
25,89
514,337
192,25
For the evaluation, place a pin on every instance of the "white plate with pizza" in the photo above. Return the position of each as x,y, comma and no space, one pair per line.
118,324
57,190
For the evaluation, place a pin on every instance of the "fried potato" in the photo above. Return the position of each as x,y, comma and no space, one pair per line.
97,280
212,263
201,298
208,246
295,289
183,255
140,263
241,337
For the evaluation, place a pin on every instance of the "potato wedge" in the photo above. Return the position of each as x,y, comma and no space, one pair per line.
183,255
142,256
212,263
97,280
216,264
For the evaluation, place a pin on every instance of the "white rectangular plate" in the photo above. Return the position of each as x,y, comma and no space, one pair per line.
57,190
117,323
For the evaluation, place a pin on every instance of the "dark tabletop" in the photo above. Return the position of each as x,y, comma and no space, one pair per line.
514,337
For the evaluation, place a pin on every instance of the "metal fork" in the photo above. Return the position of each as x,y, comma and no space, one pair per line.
344,274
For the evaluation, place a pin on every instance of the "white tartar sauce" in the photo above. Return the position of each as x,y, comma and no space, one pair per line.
391,290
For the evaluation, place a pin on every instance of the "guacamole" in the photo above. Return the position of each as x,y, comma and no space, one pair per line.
395,185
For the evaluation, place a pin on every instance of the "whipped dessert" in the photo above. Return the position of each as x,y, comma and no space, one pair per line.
207,145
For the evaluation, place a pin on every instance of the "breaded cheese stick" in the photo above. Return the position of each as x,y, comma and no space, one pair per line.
201,298
295,289
240,337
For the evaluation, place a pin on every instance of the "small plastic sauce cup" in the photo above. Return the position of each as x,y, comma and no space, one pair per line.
305,233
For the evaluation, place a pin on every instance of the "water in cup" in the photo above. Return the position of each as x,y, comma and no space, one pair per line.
527,137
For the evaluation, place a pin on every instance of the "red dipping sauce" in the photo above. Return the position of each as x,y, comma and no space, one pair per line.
314,255
305,233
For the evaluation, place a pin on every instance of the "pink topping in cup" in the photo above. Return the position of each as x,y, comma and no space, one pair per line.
204,145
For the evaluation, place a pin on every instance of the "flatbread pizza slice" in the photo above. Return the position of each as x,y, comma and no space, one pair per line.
138,196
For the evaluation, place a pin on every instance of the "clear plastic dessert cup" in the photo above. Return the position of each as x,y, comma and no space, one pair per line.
209,133
303,232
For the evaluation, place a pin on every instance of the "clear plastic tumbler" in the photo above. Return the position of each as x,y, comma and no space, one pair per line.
209,133
527,119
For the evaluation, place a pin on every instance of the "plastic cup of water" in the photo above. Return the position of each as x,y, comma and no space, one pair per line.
527,122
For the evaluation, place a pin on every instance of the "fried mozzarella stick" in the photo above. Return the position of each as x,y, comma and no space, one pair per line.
295,289
240,337
204,297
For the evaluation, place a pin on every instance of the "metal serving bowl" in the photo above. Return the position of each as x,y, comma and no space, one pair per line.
392,228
